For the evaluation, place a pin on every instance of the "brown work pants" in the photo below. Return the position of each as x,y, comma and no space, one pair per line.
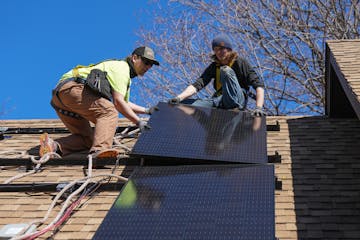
75,97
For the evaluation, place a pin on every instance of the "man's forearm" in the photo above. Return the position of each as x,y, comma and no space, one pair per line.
136,108
124,108
260,97
189,91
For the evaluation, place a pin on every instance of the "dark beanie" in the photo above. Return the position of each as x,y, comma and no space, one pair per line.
221,41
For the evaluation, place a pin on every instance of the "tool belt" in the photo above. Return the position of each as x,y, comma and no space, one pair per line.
55,92
66,112
97,81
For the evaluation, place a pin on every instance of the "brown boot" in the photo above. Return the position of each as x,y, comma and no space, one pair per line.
107,153
47,145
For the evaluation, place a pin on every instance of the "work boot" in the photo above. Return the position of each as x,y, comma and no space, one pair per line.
107,153
47,145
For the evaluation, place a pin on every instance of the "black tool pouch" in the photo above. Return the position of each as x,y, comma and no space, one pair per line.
97,81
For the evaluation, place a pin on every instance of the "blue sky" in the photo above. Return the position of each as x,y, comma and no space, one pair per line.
42,39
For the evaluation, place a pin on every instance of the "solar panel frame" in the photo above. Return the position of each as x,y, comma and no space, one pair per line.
194,202
181,132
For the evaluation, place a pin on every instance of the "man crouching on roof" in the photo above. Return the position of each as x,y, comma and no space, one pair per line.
97,93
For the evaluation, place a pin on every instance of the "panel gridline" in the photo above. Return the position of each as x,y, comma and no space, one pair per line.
182,131
194,202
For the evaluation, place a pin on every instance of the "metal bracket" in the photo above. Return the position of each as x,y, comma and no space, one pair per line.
67,161
274,158
278,184
54,187
272,127
6,130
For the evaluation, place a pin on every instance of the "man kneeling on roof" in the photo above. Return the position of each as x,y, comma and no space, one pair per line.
232,76
97,93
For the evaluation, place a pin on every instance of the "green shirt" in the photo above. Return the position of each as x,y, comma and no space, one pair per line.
118,75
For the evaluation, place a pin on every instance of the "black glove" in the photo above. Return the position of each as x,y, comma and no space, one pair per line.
175,100
143,125
258,112
151,110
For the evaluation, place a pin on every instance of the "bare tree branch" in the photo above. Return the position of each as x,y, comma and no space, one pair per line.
283,39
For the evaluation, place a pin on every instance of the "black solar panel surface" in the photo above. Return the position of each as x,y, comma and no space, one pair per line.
187,132
194,202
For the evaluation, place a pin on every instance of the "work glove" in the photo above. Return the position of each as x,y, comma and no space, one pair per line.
142,125
258,112
151,110
175,100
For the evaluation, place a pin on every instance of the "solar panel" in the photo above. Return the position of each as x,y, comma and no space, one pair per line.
187,132
194,202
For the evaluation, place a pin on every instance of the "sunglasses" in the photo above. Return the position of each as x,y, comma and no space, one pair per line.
147,61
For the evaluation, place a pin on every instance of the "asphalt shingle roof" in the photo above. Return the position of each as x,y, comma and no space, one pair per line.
320,175
347,55
345,59
319,171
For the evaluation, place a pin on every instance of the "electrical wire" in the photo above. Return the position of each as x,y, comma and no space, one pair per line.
66,203
36,169
68,207
124,134
68,212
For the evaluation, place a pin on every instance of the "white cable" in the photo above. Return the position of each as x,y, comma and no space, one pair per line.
21,175
68,186
122,135
14,152
38,163
45,158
